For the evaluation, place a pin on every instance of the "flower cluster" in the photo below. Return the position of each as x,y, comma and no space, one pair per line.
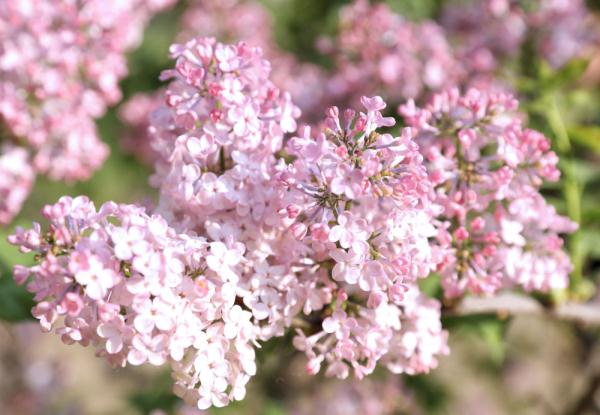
60,64
378,51
325,233
231,21
360,201
495,228
222,115
247,20
128,284
490,30
333,240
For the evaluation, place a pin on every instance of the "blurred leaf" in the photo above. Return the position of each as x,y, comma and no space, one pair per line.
15,301
414,9
158,396
430,393
586,136
431,285
299,23
488,327
591,242
550,78
274,408
492,333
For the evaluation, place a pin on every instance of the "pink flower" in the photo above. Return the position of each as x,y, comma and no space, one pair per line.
222,259
153,313
339,324
113,334
348,230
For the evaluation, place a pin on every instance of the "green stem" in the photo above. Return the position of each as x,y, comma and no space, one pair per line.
572,190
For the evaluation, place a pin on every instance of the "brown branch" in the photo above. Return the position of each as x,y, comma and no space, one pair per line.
511,304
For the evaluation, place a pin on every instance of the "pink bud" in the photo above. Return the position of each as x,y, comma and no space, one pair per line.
375,103
461,234
341,151
216,115
214,89
107,311
293,210
397,292
492,238
489,250
477,224
333,112
20,274
375,299
173,100
436,176
360,124
72,304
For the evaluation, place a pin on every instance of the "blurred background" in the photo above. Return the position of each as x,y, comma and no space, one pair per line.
498,364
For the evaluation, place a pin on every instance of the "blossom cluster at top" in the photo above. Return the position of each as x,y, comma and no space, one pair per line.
377,50
495,228
490,30
227,21
60,64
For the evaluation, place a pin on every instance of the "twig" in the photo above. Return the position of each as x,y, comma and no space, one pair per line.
510,304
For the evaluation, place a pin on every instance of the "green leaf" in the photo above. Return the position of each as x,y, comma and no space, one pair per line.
487,327
414,9
157,395
431,285
586,136
15,301
492,333
591,242
430,393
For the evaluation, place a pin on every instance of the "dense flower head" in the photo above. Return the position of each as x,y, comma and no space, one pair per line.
227,21
249,21
487,170
60,64
201,290
222,113
359,199
378,51
129,285
488,31
325,233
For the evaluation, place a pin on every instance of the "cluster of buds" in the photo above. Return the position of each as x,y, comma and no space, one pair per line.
495,228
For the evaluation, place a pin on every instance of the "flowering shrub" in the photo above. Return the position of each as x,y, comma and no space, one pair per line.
328,241
311,206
